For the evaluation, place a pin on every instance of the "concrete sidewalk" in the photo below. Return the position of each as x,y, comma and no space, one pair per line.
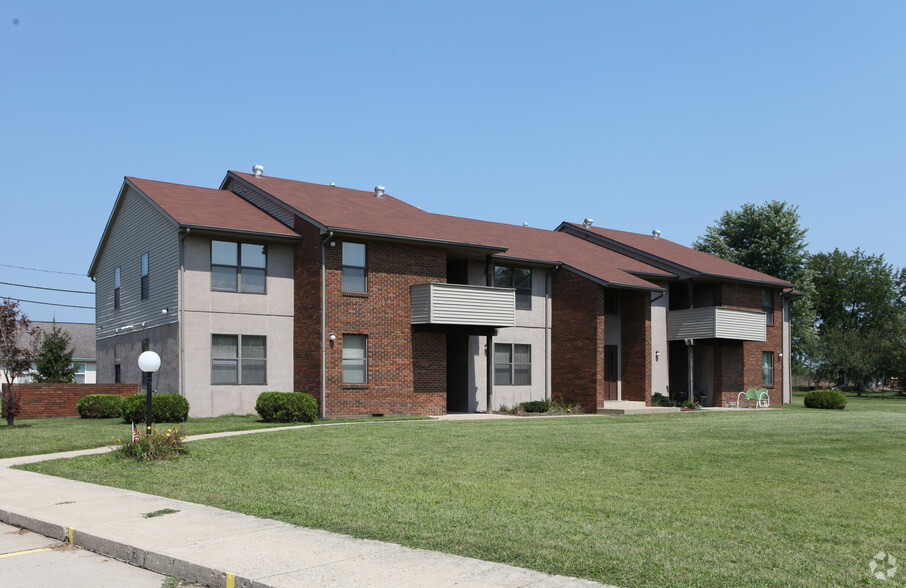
215,547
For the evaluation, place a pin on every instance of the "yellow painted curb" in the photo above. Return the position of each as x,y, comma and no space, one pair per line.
24,552
70,535
230,580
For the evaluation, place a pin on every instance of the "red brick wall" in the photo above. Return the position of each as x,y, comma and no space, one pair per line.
741,362
577,341
406,369
635,319
40,401
307,306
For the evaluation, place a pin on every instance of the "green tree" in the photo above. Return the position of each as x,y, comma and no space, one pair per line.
769,239
18,341
53,363
860,307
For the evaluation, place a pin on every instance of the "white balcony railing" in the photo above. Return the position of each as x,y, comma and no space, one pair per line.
716,322
456,304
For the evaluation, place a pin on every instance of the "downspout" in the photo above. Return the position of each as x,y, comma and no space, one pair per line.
180,312
489,376
324,241
548,315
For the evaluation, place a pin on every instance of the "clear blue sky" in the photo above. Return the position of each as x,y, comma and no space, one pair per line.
641,115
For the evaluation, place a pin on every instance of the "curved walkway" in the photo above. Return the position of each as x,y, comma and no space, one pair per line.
215,547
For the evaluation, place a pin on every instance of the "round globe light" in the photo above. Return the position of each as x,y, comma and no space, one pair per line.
149,362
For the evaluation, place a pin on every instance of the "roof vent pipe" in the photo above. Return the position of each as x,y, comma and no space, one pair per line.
379,191
656,234
258,170
588,222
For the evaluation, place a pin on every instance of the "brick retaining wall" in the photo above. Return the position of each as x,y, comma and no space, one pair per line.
41,401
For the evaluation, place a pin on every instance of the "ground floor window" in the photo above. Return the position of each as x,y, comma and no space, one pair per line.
239,359
355,359
767,368
512,364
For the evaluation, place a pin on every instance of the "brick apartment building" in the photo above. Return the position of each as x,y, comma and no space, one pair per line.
374,306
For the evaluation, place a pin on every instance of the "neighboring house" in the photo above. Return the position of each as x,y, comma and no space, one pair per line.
82,343
374,306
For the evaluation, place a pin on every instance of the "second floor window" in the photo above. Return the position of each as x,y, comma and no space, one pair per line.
767,305
519,278
116,287
238,267
146,286
354,267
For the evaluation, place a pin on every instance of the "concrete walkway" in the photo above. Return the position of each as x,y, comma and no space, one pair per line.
216,547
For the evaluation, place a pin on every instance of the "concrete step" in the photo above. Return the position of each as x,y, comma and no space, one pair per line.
617,407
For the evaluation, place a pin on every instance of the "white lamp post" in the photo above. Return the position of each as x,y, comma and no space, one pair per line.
148,362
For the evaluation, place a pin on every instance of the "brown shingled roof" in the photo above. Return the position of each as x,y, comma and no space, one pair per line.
357,211
693,260
526,243
208,208
343,208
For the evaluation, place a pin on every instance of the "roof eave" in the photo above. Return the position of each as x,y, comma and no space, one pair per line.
620,285
228,231
342,231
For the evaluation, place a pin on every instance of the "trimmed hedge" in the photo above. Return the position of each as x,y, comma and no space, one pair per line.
661,400
536,406
286,407
833,399
100,406
165,408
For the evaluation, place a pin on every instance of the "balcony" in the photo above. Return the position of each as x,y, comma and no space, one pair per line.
456,304
716,322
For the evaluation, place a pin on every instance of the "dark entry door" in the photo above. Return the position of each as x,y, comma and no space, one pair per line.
457,373
610,372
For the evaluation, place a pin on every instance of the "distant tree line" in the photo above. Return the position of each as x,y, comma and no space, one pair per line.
849,326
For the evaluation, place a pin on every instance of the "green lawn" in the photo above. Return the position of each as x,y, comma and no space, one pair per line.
781,497
37,436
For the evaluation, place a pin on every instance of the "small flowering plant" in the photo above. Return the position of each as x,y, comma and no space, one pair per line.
155,446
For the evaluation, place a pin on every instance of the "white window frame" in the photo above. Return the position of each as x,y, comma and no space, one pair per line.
239,268
351,269
239,361
351,360
512,365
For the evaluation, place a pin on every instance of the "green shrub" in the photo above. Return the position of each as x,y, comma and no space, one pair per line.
165,408
286,407
661,400
156,446
100,406
536,406
825,399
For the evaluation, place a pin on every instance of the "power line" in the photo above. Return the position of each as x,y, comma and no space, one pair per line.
34,269
48,303
43,288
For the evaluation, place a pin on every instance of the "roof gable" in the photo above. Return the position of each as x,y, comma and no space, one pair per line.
667,254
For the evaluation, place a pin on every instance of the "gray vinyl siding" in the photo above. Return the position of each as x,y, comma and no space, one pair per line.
454,304
138,227
263,202
716,322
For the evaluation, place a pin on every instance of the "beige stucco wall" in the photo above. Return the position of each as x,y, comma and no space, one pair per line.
204,312
660,366
531,328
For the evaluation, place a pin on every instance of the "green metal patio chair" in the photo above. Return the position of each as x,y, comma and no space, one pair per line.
752,397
